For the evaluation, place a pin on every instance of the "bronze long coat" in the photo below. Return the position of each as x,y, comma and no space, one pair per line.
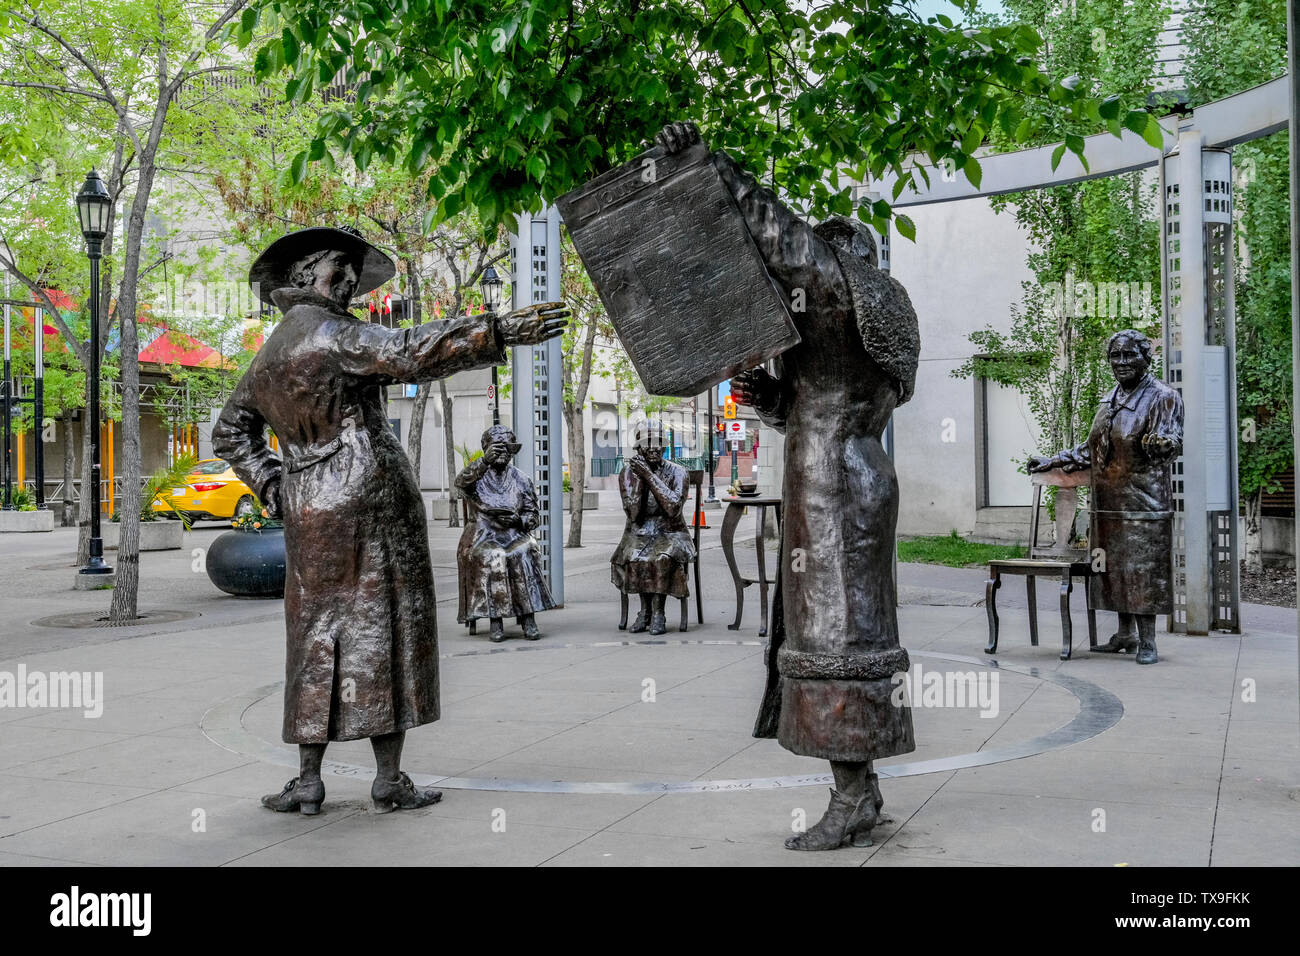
836,624
1131,494
362,638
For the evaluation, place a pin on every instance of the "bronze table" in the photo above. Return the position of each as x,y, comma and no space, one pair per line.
735,508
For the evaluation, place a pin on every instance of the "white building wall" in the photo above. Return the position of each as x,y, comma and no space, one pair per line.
963,272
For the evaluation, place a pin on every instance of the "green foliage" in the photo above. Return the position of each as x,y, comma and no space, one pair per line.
157,486
515,101
954,551
1095,246
23,499
1233,46
468,456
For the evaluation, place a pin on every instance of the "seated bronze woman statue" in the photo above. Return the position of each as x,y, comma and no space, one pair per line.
499,562
655,552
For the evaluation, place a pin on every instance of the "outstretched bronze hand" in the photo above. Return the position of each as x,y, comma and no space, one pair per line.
675,137
533,324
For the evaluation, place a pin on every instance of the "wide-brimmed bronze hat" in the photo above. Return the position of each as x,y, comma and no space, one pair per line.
271,269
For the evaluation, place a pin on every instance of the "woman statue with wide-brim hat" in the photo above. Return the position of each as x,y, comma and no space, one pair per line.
362,648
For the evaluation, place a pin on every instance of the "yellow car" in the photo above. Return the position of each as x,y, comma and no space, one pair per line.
211,490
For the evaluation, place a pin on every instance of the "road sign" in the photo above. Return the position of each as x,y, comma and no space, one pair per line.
735,430
492,392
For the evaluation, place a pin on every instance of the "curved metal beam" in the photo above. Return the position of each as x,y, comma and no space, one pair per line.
1251,114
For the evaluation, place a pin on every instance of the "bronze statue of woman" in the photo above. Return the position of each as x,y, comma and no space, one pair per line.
835,641
360,613
1136,435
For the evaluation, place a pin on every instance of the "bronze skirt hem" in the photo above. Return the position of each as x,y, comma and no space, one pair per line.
844,720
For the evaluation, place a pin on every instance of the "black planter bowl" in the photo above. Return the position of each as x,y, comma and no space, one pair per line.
248,563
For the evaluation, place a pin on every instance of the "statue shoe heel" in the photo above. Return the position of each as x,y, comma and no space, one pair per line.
497,633
531,633
1117,645
658,625
402,794
1147,652
304,797
845,824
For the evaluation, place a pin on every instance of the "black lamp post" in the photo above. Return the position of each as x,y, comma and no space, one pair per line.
93,207
491,285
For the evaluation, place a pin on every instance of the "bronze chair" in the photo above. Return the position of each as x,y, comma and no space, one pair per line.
1058,560
696,478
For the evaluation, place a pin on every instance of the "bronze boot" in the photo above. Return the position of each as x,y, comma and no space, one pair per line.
531,632
642,616
401,794
1118,643
1146,649
845,822
304,797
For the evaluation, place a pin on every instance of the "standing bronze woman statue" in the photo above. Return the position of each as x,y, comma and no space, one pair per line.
1136,435
655,552
835,641
362,645
498,562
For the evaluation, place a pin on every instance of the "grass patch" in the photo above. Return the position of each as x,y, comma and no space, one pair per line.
954,551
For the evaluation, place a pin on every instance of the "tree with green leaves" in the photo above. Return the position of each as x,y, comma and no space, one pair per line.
1095,245
138,81
439,267
1232,47
517,101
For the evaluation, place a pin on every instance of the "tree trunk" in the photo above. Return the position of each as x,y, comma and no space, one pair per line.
123,609
575,420
449,439
415,434
1254,538
69,517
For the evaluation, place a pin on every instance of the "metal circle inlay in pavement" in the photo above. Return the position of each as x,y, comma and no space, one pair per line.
98,619
1099,710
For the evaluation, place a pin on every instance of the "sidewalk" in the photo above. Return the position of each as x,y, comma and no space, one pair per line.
590,748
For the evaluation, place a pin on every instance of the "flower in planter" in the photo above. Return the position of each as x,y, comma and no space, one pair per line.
258,519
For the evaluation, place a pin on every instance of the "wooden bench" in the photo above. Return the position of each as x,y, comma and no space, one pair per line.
1058,561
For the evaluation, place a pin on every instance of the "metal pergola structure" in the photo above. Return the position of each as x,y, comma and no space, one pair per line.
1196,268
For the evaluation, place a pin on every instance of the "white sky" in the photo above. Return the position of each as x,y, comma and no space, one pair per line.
928,8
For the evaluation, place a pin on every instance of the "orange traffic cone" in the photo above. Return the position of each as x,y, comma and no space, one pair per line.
700,520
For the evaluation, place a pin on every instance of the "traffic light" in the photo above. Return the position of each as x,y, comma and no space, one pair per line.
729,408
720,428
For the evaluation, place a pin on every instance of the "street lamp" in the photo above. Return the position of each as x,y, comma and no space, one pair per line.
93,207
491,285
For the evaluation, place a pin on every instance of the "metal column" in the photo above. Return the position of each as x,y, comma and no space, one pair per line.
537,380
1199,361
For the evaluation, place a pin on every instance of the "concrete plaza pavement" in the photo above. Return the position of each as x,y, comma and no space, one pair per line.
1202,766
